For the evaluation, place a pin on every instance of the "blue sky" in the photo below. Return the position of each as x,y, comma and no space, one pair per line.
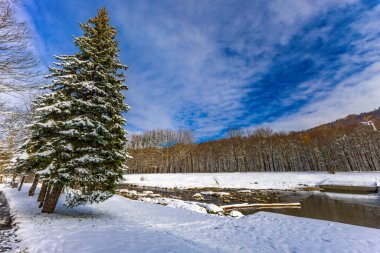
216,65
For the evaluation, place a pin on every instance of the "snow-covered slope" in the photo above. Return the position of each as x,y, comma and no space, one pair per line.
252,180
122,225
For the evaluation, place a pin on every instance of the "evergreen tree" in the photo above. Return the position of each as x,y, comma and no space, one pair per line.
77,142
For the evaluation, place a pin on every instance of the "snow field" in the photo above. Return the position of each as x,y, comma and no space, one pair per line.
123,225
253,180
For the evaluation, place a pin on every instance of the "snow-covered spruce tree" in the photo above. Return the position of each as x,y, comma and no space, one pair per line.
78,140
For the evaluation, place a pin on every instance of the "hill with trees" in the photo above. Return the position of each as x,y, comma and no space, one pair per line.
348,144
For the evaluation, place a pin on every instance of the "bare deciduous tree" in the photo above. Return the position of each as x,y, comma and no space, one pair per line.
18,65
19,76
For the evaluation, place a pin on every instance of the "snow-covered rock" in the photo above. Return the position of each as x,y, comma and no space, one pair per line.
176,203
197,196
189,205
217,194
235,214
132,192
211,208
245,191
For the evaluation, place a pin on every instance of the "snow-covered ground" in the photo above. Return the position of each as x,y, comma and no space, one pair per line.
123,225
253,180
149,196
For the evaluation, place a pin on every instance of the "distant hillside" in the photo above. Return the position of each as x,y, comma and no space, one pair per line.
352,120
343,145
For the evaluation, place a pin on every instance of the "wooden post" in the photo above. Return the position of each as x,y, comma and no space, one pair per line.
32,189
52,199
21,183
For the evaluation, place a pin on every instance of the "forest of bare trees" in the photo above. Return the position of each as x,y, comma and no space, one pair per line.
344,148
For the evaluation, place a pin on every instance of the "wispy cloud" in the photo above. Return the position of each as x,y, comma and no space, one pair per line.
348,82
359,93
216,65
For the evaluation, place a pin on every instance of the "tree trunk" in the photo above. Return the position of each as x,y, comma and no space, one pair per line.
21,183
45,196
13,180
32,189
42,193
52,199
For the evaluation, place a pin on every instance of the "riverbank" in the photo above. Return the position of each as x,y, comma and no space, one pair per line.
253,180
123,225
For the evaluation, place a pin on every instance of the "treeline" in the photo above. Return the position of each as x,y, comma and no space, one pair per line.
341,148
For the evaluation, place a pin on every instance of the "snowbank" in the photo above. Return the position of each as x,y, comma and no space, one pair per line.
252,180
123,225
350,183
176,203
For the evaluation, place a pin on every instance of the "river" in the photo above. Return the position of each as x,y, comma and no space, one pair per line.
354,209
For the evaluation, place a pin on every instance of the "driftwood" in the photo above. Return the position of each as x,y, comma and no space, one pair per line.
349,188
261,205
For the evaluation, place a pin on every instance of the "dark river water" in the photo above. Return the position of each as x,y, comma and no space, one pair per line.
355,209
362,212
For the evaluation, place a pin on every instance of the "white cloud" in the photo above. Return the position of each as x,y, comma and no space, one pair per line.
357,94
186,70
182,76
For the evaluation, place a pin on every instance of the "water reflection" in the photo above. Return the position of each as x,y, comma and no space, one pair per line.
324,207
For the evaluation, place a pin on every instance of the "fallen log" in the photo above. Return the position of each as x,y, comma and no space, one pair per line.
349,188
261,205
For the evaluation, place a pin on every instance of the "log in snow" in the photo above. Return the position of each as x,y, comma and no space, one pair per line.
349,186
261,205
